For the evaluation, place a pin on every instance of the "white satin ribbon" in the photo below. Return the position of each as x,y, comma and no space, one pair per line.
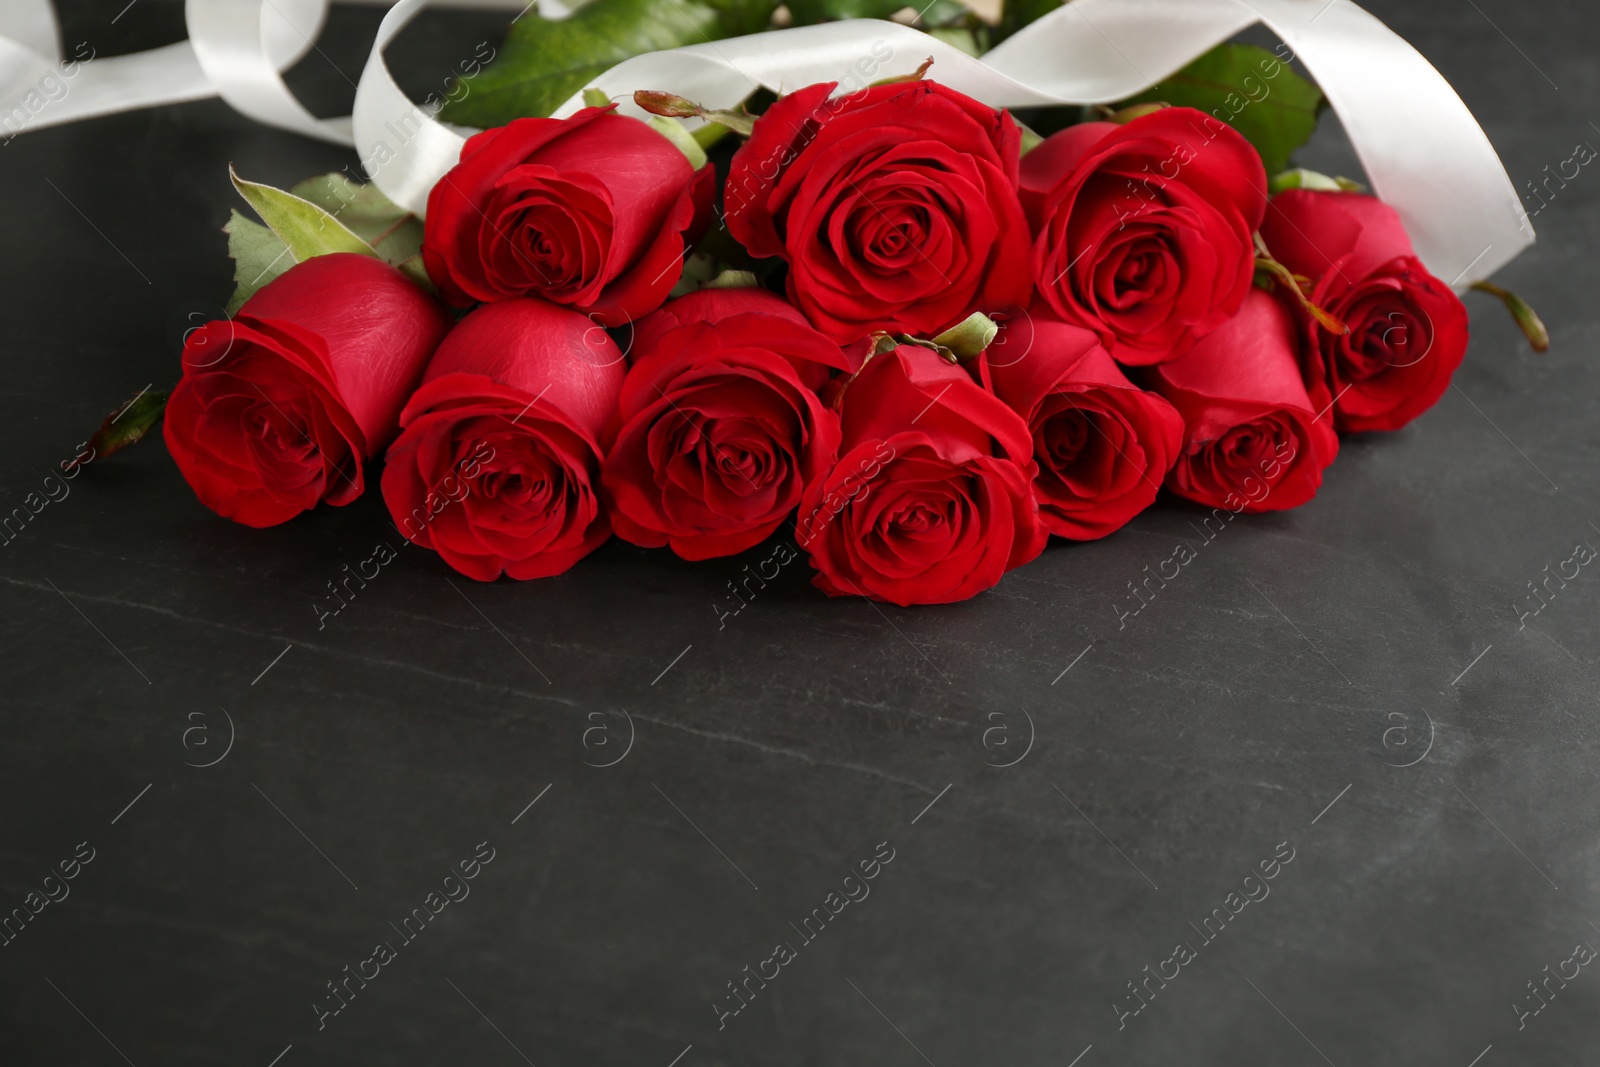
1422,150
43,85
231,42
403,148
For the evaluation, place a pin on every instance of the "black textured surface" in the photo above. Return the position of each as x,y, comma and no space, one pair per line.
1293,665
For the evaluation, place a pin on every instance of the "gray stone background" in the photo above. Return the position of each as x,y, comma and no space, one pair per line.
1348,681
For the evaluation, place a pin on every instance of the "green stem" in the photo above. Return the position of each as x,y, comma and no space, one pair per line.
1527,319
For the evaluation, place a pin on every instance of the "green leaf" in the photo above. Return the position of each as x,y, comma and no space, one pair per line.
707,135
393,232
928,14
807,12
544,61
969,337
1030,139
414,269
733,279
259,256
944,13
307,229
1253,91
1016,14
700,269
296,230
958,37
129,423
681,139
1301,178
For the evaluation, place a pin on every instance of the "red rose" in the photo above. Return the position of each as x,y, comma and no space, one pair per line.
1144,232
930,501
588,211
1252,440
278,408
1408,331
497,468
895,207
721,424
1102,444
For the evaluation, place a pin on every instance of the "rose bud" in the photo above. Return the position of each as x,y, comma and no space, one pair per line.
1102,444
589,211
895,207
1252,440
279,407
721,424
930,501
1408,331
1144,232
497,468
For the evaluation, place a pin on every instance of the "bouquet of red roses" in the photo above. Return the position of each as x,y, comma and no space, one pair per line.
944,338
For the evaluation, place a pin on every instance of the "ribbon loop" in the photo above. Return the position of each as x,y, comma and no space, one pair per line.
236,42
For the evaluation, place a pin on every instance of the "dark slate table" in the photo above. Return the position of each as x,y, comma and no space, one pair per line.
1344,696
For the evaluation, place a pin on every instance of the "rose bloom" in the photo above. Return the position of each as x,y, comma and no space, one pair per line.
1144,232
721,423
930,501
1252,440
589,211
1408,331
1102,444
895,207
279,407
497,468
